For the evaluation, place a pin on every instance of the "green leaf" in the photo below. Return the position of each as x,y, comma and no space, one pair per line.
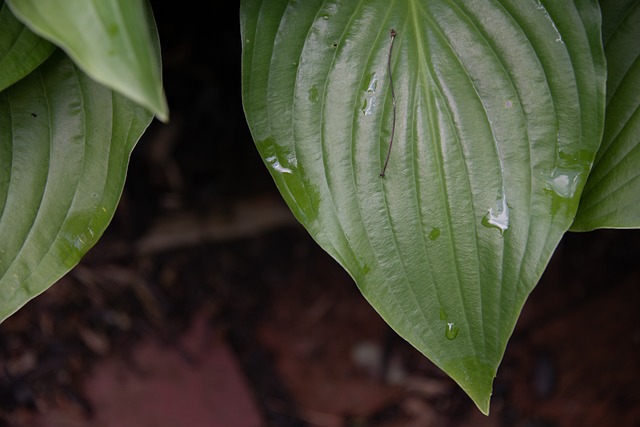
499,112
21,51
65,142
113,41
611,198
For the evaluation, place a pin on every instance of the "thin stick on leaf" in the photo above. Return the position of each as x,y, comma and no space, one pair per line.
393,103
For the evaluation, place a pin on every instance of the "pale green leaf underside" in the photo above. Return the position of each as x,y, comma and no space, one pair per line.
65,142
611,198
114,41
499,115
21,51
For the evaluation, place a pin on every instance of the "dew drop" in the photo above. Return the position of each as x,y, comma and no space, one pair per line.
564,182
451,332
369,105
313,94
370,98
325,17
292,160
275,164
364,269
434,234
373,84
508,104
498,215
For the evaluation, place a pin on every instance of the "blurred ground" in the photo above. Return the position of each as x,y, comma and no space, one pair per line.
206,304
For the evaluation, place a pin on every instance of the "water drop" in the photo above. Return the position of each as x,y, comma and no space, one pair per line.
498,215
364,269
313,94
451,332
325,17
564,182
434,234
275,164
369,105
79,242
292,160
373,84
508,104
370,98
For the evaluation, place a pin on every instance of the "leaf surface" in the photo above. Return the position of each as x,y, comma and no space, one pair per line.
65,142
611,198
113,41
21,51
499,111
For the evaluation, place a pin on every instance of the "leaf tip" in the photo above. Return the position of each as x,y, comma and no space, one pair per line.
480,394
162,112
475,378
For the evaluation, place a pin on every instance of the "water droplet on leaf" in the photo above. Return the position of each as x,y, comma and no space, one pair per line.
313,94
564,182
435,233
498,215
370,98
277,166
451,332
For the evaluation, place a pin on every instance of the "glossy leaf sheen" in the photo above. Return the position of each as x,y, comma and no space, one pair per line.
611,198
21,51
499,115
114,41
65,142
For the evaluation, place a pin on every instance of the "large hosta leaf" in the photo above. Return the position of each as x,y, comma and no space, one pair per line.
21,51
499,115
114,41
612,195
65,142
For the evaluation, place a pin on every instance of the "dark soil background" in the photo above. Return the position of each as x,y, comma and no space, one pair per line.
201,233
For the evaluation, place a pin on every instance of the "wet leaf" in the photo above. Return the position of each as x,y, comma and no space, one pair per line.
499,108
113,41
65,142
611,198
21,51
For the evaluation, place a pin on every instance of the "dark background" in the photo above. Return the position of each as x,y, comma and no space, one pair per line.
292,319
